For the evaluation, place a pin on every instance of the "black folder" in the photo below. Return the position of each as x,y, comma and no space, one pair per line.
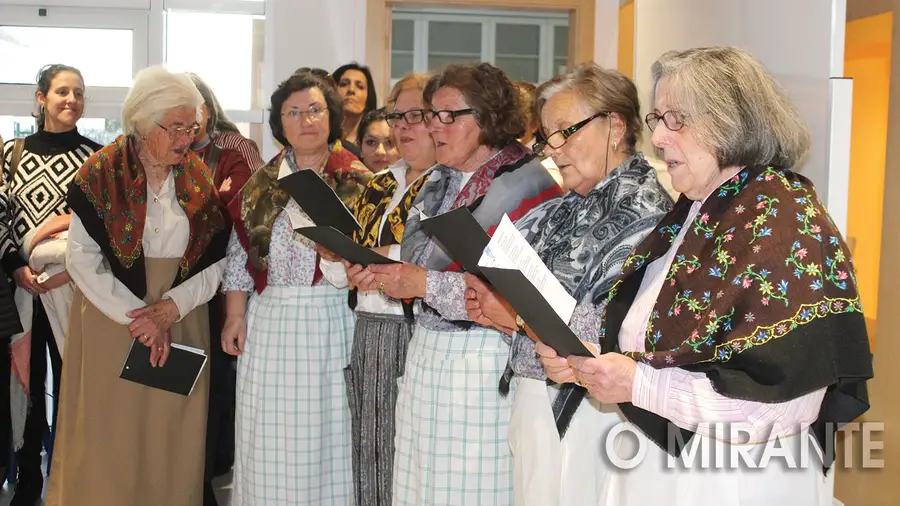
178,376
461,236
343,246
319,201
534,309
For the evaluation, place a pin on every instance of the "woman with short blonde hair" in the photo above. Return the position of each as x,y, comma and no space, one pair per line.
146,252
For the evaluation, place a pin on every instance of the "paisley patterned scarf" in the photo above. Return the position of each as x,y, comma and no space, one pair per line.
761,297
109,195
262,199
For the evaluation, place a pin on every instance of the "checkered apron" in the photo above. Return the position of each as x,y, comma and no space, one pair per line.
451,445
292,424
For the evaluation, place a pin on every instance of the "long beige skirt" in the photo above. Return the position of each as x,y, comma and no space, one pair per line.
119,443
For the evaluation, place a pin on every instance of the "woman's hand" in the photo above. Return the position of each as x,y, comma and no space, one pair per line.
608,378
400,281
226,185
27,280
57,280
234,334
360,278
327,254
556,367
486,307
151,322
160,349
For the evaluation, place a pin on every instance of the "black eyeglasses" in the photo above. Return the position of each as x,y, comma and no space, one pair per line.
180,131
411,116
446,117
558,138
674,121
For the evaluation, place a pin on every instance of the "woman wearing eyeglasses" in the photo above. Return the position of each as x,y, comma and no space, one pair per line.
735,327
146,251
451,443
383,328
290,328
590,120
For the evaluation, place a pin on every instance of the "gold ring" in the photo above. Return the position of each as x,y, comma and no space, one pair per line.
381,287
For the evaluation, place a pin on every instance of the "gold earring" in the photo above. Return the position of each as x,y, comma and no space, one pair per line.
615,145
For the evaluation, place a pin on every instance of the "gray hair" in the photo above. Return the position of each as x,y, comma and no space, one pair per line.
733,106
154,92
600,89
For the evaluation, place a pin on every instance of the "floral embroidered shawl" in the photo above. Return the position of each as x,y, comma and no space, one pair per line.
109,195
761,297
262,199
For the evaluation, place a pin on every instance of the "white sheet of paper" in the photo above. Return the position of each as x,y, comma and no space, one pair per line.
191,349
298,218
508,249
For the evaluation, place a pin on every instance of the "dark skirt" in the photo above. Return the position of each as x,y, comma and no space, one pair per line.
379,355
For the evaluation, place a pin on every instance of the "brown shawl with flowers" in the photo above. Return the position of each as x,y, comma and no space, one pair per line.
262,199
761,297
109,195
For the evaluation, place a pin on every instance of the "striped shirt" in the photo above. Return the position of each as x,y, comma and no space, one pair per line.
246,147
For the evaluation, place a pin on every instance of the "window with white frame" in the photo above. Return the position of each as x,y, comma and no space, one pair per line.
527,46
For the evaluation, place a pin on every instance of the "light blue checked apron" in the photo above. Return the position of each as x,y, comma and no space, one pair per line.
293,422
451,442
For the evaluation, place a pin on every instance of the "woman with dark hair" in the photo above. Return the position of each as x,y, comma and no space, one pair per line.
225,134
376,144
291,331
357,89
36,173
451,445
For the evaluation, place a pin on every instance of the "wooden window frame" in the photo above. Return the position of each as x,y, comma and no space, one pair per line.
379,16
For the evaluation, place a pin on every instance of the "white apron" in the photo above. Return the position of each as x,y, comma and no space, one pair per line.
548,471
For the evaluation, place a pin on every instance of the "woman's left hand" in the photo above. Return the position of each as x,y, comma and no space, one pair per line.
400,281
608,378
151,322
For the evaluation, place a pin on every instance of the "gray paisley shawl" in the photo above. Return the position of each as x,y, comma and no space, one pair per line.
584,241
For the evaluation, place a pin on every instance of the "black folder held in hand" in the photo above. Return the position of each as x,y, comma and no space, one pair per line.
319,201
535,311
343,246
178,376
461,236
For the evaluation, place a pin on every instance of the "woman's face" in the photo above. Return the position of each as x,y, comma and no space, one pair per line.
378,149
585,158
693,167
204,119
354,89
171,137
304,119
457,142
413,140
64,102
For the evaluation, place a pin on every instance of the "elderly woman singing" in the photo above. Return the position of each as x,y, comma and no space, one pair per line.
737,321
146,251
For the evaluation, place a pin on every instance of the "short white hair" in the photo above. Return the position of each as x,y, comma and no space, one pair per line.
154,92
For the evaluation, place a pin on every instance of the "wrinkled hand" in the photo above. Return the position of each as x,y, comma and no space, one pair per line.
487,307
226,185
56,281
26,279
608,378
160,349
400,281
151,322
234,335
360,278
327,254
556,367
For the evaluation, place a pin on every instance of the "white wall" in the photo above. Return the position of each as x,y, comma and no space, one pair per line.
799,41
310,33
606,33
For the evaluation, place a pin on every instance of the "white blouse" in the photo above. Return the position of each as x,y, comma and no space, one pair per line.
166,235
